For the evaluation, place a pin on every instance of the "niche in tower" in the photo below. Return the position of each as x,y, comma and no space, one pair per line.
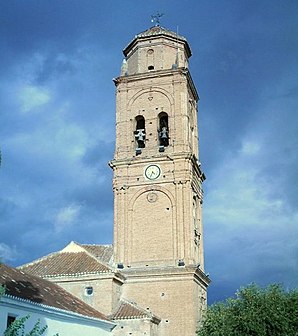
140,133
150,59
163,131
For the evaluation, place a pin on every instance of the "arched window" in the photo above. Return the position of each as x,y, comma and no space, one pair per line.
140,133
140,122
163,131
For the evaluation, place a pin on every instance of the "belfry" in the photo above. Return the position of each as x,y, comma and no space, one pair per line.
158,237
152,280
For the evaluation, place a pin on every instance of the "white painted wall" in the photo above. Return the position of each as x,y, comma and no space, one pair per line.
58,321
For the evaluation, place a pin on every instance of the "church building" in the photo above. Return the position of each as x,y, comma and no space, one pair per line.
151,281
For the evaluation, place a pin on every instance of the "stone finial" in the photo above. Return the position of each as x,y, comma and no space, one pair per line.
124,68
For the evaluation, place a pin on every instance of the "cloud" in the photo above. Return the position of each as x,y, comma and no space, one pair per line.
31,97
8,253
250,227
67,217
250,147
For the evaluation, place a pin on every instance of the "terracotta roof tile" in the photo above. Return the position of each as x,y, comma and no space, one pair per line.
38,290
102,252
129,310
65,263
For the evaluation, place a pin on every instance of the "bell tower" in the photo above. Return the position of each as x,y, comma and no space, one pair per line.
158,236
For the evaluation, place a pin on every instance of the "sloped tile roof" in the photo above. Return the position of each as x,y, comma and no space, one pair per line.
101,252
158,30
32,288
129,310
65,263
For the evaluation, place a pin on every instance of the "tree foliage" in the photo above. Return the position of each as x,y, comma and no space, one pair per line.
254,312
2,290
17,328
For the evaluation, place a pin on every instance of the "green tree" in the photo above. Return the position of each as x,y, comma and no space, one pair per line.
17,328
2,290
254,311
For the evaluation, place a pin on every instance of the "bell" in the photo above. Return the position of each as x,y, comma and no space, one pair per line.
164,133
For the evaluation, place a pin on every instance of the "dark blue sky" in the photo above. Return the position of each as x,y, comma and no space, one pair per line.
57,120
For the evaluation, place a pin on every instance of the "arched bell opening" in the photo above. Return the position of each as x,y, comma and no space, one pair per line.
140,133
163,131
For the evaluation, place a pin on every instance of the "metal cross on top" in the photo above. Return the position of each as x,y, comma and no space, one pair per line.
156,18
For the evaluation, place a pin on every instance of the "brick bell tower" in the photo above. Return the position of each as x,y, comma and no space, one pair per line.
158,236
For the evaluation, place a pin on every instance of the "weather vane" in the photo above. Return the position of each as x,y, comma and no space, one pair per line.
156,18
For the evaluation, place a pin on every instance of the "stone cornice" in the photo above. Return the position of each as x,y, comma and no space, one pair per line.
165,157
118,276
166,272
159,73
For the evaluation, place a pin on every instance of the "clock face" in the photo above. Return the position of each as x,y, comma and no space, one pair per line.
152,172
